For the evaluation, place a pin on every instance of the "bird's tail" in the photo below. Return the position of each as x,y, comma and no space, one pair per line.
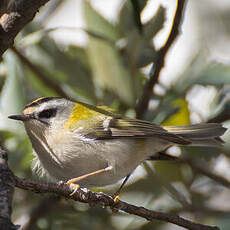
200,134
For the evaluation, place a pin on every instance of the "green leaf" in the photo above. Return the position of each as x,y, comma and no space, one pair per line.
223,221
182,116
67,70
12,99
98,24
146,185
190,75
32,38
37,86
108,70
139,48
78,53
168,171
126,24
137,52
169,105
145,54
155,24
128,13
214,74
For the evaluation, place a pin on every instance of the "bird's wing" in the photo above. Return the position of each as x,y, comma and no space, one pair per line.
115,127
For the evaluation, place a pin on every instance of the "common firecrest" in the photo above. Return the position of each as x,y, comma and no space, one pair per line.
97,147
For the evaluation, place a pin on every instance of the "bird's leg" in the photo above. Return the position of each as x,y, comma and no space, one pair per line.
71,182
117,193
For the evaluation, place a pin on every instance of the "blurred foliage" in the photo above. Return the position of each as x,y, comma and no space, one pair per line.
110,70
182,116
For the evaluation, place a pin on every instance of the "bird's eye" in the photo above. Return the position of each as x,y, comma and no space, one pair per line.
48,113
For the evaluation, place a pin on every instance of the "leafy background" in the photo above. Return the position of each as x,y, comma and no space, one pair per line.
112,69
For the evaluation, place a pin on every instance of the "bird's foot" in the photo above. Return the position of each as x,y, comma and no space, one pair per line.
73,187
116,196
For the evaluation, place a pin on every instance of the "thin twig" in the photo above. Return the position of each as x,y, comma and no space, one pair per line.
221,117
50,83
86,196
15,17
159,64
137,14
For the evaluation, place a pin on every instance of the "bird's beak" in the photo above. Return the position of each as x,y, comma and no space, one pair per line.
19,117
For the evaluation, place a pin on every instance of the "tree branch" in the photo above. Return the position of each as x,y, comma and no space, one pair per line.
6,192
15,17
221,117
8,181
136,14
86,196
159,64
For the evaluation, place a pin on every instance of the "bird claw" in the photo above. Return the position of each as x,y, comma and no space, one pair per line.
116,197
73,187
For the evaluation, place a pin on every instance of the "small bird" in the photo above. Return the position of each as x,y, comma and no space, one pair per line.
77,142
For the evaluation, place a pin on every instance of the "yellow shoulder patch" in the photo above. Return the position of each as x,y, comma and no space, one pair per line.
79,112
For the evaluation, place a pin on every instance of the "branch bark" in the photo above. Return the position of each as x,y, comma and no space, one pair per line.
86,196
159,64
15,17
7,184
8,181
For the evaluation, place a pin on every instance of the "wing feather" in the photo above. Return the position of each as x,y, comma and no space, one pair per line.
131,128
104,124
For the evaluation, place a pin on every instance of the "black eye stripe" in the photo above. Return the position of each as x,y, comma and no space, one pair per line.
47,113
